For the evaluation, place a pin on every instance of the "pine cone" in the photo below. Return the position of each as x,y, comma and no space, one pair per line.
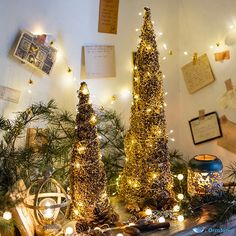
132,208
81,226
114,218
100,216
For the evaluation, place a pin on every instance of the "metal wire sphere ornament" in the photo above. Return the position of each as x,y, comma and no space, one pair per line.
49,202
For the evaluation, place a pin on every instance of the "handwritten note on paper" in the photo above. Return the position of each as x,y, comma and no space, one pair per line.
198,75
100,62
9,94
205,129
108,16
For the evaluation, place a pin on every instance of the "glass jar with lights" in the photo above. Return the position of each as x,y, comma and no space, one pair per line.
205,175
50,204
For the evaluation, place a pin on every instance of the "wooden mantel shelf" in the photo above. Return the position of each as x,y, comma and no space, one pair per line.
184,228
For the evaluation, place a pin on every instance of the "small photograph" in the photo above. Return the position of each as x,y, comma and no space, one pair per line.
41,56
31,58
31,49
25,45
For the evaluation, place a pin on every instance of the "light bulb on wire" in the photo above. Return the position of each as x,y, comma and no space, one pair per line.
180,218
180,196
69,230
148,212
180,176
162,219
7,215
176,208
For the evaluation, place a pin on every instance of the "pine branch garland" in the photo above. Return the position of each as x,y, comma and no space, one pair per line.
18,161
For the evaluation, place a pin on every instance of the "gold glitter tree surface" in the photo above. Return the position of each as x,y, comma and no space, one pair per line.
146,179
90,202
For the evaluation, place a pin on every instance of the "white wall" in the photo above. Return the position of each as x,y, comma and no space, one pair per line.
74,24
203,23
187,25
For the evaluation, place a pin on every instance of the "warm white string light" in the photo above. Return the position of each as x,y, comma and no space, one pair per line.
164,46
69,230
148,212
180,196
7,215
162,219
180,218
180,176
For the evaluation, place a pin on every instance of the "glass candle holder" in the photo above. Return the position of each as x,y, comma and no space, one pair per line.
205,175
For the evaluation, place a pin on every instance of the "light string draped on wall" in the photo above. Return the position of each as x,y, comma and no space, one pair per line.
216,46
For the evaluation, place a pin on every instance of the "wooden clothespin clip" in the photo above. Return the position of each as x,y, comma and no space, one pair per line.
229,85
201,114
195,57
41,38
224,118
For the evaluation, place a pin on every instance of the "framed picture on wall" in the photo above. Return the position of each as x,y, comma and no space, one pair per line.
32,50
205,128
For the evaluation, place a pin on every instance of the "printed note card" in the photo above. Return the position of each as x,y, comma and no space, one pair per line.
198,75
9,94
100,62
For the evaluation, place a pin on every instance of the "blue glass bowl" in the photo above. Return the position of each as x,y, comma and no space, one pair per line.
206,163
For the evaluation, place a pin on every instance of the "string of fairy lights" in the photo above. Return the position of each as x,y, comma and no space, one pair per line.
125,92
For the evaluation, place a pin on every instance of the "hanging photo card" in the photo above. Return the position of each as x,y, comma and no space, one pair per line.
205,128
32,50
229,134
221,56
36,138
9,94
108,16
99,62
228,99
199,74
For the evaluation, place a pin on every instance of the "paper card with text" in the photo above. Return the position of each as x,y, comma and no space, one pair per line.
198,75
100,61
108,16
9,94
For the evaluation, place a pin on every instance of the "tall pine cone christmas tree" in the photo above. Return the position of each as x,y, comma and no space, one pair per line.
146,179
90,202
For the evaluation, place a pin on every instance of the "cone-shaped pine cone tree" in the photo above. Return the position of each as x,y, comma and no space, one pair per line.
90,203
146,179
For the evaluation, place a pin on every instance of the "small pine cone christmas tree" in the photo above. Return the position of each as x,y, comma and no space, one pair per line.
90,203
